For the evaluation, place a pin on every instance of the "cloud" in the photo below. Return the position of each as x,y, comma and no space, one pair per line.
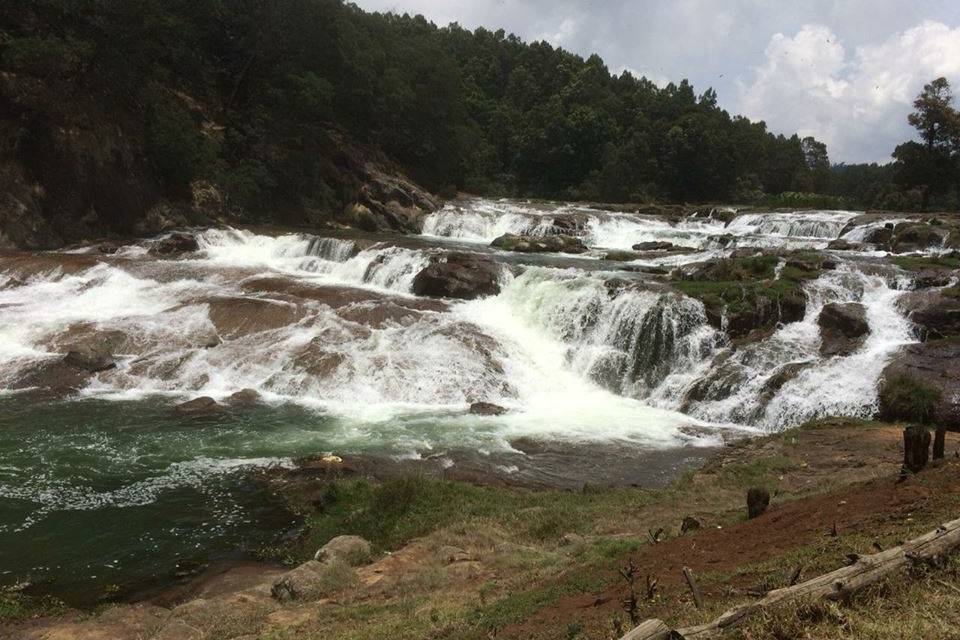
857,102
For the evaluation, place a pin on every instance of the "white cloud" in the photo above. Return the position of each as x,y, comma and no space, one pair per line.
855,102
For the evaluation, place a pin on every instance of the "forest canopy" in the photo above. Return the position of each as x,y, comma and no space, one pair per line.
480,111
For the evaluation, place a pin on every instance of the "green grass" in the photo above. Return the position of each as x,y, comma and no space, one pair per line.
904,398
16,606
921,263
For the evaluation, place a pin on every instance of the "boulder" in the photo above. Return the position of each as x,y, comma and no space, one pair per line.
244,398
757,502
353,550
93,352
486,409
922,383
202,406
56,377
174,244
936,314
932,279
844,245
916,236
843,328
299,583
653,246
539,244
458,275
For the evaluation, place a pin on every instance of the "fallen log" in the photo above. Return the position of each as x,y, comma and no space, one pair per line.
836,585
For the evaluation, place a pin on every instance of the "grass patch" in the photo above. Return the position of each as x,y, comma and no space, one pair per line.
904,398
16,606
922,263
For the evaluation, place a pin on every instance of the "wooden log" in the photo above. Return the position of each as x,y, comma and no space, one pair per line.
836,585
758,500
939,442
649,630
694,588
916,448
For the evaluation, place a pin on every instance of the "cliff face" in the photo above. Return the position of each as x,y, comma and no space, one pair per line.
73,167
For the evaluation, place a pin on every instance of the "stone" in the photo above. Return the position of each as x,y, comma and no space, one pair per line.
353,550
916,448
757,502
244,398
202,406
844,245
458,275
486,409
935,314
90,358
539,244
173,244
843,328
450,555
932,368
298,583
653,246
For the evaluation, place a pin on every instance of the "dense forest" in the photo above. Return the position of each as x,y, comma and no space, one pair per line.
244,94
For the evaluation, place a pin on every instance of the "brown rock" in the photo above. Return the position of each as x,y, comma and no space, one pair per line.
486,409
458,275
843,328
202,406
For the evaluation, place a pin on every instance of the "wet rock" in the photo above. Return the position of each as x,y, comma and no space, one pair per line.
92,350
932,278
486,409
353,550
844,245
757,502
539,244
880,236
621,256
244,398
234,317
922,382
459,275
571,224
107,248
175,243
916,236
653,246
936,314
202,406
689,524
843,328
55,377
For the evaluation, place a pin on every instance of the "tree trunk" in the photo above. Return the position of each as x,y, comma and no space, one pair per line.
939,442
916,448
837,585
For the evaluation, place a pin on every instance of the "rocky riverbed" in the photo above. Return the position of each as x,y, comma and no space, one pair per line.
508,340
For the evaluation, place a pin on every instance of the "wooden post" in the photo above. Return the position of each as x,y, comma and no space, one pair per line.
916,447
694,588
939,442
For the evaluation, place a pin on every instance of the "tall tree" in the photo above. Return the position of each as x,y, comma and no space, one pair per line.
932,166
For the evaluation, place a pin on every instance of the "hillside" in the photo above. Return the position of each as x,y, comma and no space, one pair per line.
133,117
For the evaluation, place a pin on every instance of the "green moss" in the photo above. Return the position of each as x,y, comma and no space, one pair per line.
921,263
904,398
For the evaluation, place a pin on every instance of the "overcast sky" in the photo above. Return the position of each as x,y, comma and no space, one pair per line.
845,72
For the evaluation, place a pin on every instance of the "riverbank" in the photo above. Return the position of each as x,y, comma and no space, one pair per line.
457,560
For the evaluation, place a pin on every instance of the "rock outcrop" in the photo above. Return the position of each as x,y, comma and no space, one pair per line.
458,275
935,313
843,328
539,244
922,383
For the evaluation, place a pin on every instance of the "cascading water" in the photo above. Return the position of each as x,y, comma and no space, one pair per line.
346,359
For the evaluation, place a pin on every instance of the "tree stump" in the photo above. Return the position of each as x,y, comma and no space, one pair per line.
939,442
757,502
916,447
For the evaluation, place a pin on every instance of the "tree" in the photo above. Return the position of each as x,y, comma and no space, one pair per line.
933,165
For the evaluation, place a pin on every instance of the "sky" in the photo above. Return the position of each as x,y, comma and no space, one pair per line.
845,72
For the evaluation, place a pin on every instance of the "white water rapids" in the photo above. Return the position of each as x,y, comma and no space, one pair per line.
331,324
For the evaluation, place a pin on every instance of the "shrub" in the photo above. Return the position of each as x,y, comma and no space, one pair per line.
904,398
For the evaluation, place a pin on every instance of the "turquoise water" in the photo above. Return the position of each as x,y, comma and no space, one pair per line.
98,496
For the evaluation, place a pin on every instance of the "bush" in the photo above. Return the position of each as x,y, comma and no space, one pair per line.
175,146
906,399
47,56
